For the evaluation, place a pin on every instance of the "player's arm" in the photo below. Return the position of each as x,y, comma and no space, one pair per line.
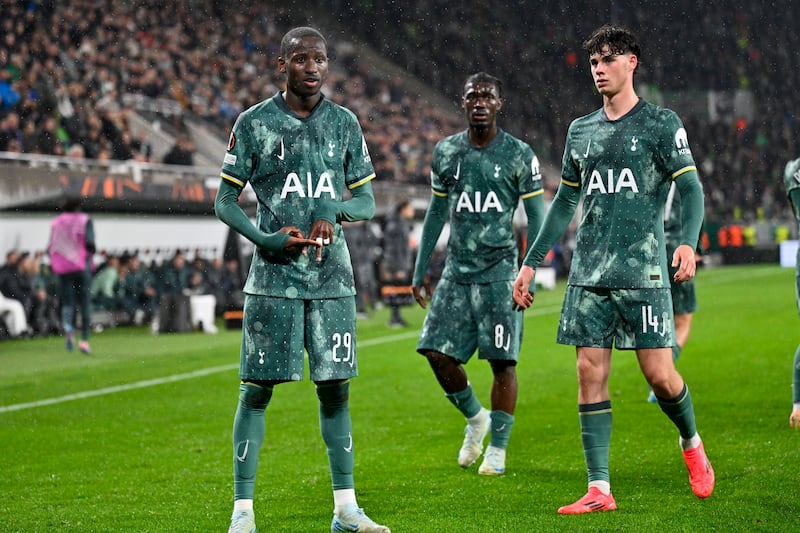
361,206
794,200
534,209
432,227
555,224
228,210
91,247
692,212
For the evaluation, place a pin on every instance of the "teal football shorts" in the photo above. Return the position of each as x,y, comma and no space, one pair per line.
465,317
684,299
625,318
276,331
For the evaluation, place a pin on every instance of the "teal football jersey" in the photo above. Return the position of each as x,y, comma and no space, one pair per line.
624,169
295,165
483,187
791,179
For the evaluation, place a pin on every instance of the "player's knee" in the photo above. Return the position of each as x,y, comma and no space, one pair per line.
503,367
333,393
255,396
439,361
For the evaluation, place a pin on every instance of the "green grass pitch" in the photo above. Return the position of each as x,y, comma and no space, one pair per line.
136,437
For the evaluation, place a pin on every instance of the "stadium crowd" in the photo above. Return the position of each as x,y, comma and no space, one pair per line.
66,68
126,288
68,71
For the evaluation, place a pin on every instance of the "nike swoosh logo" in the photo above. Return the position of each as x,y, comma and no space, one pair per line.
281,155
585,154
501,428
458,171
242,457
349,447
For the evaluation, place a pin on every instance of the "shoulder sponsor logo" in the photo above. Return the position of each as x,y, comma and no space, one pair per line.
536,171
365,150
230,159
682,142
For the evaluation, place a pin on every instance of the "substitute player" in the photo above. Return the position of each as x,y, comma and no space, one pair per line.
621,160
791,178
478,177
299,151
684,297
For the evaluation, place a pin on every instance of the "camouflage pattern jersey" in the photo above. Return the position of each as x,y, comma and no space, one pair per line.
624,169
296,165
483,187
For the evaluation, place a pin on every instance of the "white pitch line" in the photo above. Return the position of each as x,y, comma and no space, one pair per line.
117,388
198,373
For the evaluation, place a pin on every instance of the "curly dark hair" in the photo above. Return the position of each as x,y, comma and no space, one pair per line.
619,40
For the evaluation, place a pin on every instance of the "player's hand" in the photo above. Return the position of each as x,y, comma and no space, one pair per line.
296,243
322,234
418,294
794,419
522,295
684,260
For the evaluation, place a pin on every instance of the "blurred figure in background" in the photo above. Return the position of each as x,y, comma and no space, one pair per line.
71,247
397,261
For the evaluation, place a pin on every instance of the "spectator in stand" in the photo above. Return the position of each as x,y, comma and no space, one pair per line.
173,308
10,132
44,312
138,291
233,285
12,279
397,261
12,312
362,243
103,289
214,274
71,247
181,153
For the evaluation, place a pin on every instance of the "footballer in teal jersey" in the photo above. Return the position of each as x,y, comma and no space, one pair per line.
791,179
620,161
478,177
300,153
623,169
299,168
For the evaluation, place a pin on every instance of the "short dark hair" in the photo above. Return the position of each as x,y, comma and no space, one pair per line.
71,204
287,43
619,40
483,77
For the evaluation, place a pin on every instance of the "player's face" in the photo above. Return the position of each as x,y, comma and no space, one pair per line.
481,102
612,72
306,67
